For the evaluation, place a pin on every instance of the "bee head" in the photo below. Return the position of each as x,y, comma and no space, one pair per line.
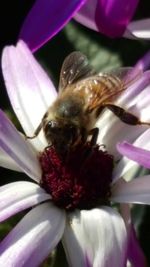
61,134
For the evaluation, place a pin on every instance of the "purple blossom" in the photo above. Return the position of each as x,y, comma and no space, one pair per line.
47,18
112,18
108,17
31,92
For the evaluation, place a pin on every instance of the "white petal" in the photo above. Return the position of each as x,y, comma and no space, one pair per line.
29,88
135,191
34,237
138,29
7,162
18,196
18,149
125,165
96,237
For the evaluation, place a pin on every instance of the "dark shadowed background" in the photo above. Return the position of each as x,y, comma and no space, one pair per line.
103,53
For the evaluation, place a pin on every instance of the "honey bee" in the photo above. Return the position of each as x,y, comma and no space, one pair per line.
82,97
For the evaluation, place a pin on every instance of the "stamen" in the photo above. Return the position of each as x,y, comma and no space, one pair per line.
81,180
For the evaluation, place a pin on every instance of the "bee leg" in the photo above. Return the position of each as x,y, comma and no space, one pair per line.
125,116
36,132
89,150
94,132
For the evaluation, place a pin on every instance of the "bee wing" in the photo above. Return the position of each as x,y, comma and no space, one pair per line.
75,67
115,82
128,75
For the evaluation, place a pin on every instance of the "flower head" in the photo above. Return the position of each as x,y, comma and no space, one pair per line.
74,183
82,225
108,17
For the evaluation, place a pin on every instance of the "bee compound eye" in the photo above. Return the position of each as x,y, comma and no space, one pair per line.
52,124
53,127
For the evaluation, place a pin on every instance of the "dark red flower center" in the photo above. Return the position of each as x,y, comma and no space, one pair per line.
81,180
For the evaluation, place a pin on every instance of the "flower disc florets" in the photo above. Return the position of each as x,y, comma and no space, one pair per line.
81,180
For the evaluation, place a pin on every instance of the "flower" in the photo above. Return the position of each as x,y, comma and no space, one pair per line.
49,17
83,232
112,19
107,17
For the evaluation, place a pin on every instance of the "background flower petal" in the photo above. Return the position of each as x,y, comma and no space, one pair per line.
29,88
135,191
85,239
18,149
112,17
86,15
138,29
144,62
18,196
30,242
42,23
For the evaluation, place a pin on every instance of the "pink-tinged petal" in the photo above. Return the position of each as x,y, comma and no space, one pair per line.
34,237
18,149
126,165
85,239
144,62
138,29
29,88
7,162
18,196
46,19
112,17
135,99
141,156
135,191
86,15
135,253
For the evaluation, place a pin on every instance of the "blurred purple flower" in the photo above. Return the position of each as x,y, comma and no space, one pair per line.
31,92
111,18
114,18
108,17
46,19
